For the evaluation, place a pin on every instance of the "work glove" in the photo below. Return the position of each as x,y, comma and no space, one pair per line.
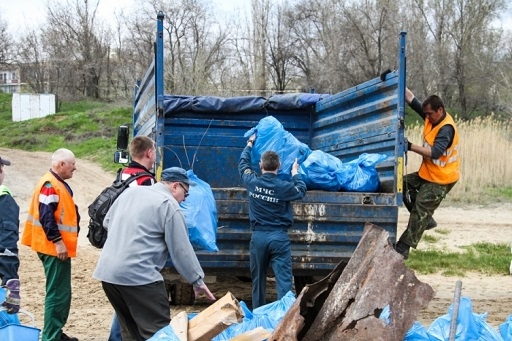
384,74
12,297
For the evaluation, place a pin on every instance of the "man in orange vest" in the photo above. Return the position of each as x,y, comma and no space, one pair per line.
51,230
439,171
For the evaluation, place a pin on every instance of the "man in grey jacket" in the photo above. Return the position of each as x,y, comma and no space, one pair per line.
145,225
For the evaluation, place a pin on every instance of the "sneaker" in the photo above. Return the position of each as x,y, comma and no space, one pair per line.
402,249
431,224
64,337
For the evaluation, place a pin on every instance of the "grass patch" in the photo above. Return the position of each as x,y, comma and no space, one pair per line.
505,192
486,258
442,231
87,128
430,238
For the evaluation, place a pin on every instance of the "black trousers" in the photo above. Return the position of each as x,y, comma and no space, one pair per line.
141,310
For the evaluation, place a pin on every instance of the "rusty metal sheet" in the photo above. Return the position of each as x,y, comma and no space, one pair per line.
301,314
375,277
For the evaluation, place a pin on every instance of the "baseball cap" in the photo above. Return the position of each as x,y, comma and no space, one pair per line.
4,162
176,174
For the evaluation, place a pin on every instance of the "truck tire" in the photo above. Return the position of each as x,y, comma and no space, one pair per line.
182,294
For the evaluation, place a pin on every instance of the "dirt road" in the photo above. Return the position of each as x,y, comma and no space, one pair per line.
91,313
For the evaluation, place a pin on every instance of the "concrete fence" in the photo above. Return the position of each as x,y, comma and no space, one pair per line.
27,106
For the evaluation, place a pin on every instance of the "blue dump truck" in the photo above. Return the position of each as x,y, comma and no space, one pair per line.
208,132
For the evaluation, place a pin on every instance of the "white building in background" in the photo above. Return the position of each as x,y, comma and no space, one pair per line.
28,106
10,80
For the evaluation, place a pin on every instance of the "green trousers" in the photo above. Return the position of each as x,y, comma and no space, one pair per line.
421,198
57,302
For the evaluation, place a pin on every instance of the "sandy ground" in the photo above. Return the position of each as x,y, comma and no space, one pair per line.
91,313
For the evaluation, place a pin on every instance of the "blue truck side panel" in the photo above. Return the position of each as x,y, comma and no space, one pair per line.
206,134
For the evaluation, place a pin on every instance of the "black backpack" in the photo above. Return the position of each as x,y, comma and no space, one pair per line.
97,234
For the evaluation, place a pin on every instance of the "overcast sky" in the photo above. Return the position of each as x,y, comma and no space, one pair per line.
21,13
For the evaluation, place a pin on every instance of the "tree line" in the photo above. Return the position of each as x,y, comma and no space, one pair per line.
455,48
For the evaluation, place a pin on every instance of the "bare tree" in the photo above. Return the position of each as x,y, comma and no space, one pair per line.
461,33
281,53
194,41
76,37
6,42
133,50
469,34
34,62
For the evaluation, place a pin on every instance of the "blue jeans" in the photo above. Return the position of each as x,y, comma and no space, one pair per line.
115,330
270,248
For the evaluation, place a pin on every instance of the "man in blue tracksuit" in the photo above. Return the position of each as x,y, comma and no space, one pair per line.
270,215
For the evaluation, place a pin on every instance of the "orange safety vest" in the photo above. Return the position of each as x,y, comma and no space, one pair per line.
65,216
446,169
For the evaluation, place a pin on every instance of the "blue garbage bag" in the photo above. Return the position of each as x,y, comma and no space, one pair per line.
506,329
360,175
418,332
271,135
320,171
6,318
201,215
276,310
385,314
470,326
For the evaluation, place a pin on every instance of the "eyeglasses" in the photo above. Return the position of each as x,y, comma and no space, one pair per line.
186,192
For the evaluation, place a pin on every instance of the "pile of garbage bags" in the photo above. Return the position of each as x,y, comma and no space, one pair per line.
470,326
319,170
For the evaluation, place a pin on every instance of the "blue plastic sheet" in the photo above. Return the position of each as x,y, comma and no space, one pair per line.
271,135
294,101
210,104
201,215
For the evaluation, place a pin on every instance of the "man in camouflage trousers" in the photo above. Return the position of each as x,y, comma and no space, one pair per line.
439,171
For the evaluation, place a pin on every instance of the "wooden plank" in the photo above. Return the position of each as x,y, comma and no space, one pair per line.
179,325
214,319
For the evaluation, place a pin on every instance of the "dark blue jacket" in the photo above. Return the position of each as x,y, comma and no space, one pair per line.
9,236
269,196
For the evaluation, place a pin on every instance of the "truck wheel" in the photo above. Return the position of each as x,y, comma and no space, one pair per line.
182,294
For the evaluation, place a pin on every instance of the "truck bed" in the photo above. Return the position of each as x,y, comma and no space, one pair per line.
206,134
